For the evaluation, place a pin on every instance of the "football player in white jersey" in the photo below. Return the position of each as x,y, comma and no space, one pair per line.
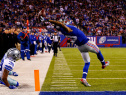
6,66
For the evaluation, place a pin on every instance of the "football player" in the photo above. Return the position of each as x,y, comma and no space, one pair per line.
84,46
6,66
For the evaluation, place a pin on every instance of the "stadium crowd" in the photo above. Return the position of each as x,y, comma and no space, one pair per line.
99,17
94,17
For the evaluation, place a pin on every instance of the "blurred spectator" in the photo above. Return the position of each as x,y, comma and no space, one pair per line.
68,42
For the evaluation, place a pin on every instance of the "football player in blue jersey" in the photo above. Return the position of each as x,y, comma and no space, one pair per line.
84,46
6,66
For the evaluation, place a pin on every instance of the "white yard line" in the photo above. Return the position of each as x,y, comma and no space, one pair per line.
63,82
25,69
64,88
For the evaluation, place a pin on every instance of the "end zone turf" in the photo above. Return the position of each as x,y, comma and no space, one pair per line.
65,71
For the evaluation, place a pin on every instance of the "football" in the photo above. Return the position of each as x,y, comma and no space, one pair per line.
42,13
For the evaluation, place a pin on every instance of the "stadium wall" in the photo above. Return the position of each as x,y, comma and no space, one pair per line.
101,41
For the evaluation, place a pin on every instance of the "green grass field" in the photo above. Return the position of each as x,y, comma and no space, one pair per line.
66,70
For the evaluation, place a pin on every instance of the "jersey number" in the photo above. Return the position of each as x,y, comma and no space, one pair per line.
1,64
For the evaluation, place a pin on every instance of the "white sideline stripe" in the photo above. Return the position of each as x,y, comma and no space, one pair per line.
62,76
93,78
63,82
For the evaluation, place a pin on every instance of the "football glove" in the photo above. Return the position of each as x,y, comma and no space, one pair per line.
15,74
12,87
43,19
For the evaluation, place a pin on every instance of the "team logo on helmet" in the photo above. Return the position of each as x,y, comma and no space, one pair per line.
102,40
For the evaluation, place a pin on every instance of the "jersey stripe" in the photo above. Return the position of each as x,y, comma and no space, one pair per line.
94,46
8,68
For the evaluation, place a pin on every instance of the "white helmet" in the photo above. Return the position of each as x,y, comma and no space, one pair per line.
13,53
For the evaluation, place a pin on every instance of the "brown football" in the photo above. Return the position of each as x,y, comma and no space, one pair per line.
42,13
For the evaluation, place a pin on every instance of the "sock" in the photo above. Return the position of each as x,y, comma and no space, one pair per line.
85,70
28,54
22,54
101,58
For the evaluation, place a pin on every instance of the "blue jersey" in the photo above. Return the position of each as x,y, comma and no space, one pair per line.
78,36
32,39
6,63
25,37
49,40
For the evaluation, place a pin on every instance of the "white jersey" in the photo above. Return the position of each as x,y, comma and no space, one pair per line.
6,63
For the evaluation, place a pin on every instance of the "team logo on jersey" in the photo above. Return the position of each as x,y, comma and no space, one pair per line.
102,40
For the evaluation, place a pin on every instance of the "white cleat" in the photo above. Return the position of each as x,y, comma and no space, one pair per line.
106,64
84,81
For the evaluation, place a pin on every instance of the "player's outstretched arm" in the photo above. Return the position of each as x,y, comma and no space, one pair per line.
62,25
4,77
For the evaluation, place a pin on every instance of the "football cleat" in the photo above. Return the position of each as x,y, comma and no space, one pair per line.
15,74
84,81
2,82
106,64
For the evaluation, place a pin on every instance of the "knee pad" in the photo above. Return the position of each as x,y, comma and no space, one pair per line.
87,60
86,57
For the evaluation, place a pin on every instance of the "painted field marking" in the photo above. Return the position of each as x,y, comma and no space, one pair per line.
62,76
64,88
37,81
62,70
63,82
65,85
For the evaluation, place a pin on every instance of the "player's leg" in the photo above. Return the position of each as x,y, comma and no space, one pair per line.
92,47
86,58
46,47
12,82
22,52
27,50
43,47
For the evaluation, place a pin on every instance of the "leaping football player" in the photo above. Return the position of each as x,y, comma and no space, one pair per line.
84,45
6,66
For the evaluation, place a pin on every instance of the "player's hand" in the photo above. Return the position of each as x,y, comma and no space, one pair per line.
12,87
21,38
15,74
43,18
69,30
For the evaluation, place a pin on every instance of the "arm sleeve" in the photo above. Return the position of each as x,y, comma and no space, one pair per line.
9,68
